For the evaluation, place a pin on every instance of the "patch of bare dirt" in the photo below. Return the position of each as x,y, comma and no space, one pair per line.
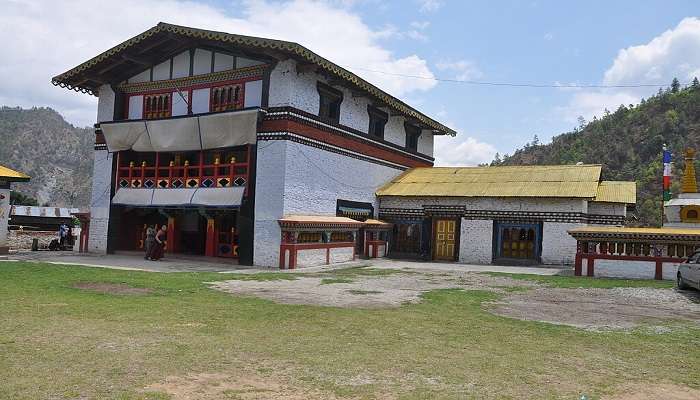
241,387
595,309
617,308
364,291
656,392
112,288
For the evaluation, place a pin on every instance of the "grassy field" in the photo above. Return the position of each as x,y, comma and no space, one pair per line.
58,341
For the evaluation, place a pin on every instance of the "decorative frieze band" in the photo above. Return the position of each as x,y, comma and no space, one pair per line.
235,74
500,215
324,146
294,114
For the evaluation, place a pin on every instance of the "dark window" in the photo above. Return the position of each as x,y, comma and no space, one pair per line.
329,105
692,214
412,134
377,121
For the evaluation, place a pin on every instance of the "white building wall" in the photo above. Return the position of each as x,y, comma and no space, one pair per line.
293,178
558,247
476,241
269,201
425,142
299,90
394,131
600,208
101,179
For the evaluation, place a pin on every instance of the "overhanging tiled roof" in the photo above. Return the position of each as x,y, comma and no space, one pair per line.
8,174
512,181
617,192
82,78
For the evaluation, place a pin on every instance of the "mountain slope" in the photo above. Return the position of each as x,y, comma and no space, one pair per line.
628,142
57,155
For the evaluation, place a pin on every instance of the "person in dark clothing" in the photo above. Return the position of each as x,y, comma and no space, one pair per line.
159,246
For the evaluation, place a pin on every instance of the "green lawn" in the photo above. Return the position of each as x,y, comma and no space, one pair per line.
57,342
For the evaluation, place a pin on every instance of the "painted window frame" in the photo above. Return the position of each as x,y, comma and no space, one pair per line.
189,89
331,97
413,133
377,118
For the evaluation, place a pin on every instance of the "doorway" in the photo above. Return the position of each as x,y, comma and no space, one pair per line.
518,242
445,238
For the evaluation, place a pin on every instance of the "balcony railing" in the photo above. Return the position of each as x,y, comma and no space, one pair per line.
231,173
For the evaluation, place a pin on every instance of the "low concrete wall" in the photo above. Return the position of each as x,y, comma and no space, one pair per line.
341,254
629,269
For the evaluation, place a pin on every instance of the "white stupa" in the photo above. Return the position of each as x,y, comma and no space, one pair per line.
684,210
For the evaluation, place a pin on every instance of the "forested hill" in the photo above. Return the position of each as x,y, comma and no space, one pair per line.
57,155
628,142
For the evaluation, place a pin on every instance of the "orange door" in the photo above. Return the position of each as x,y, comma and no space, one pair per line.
445,236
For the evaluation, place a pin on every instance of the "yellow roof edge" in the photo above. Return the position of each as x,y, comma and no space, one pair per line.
12,175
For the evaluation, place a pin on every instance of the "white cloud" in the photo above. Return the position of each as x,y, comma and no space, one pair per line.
673,53
420,25
464,70
462,151
44,38
548,36
427,6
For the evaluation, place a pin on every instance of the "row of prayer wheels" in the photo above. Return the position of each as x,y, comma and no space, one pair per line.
187,162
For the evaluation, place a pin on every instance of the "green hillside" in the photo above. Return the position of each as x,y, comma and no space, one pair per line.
57,155
628,142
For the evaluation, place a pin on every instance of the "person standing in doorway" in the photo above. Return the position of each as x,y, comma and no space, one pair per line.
149,241
159,245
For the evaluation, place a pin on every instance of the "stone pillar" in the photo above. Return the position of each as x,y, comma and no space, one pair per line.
4,217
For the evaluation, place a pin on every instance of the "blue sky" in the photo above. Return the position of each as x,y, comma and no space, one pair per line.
542,42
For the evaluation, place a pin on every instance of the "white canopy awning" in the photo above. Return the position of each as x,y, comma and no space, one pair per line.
211,197
203,132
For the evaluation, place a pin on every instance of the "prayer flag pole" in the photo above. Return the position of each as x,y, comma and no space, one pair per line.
666,180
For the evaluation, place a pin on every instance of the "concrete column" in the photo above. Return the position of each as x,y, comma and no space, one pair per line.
4,219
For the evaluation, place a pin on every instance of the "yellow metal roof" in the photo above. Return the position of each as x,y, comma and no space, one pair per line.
511,181
12,175
617,192
635,231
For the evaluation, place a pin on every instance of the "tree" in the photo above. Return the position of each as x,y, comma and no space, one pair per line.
581,122
19,199
675,85
496,159
535,140
695,84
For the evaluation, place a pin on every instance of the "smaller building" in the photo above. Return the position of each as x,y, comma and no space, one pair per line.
7,176
505,215
645,253
42,223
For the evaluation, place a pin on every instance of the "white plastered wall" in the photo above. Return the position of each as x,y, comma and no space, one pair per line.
293,178
558,247
101,179
299,90
476,241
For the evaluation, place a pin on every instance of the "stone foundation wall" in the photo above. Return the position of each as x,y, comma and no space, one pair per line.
22,240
